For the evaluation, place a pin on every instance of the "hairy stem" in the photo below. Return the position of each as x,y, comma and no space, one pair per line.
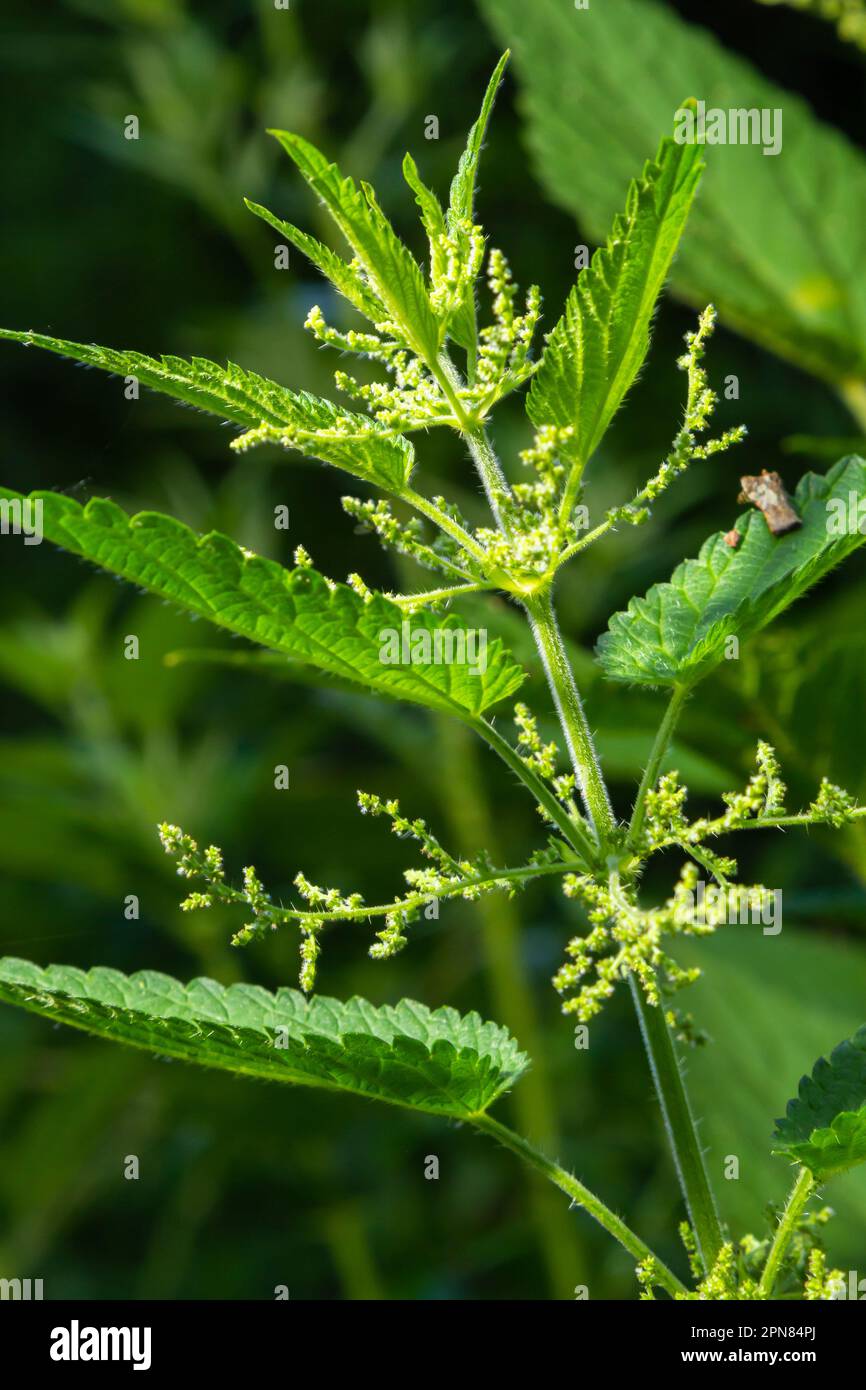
781,822
800,1195
664,1065
570,493
444,522
673,1099
680,1125
439,595
653,767
487,464
595,534
580,1195
525,874
569,707
483,455
575,830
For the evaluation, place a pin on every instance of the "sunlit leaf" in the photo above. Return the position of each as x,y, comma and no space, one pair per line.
342,276
462,197
394,275
598,345
440,1062
310,424
678,631
297,612
775,241
825,1127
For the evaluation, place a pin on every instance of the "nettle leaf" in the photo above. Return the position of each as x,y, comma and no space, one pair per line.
355,443
596,349
461,204
387,460
462,196
297,612
439,1062
314,426
825,1127
461,324
461,321
432,212
677,632
394,275
230,392
770,240
342,276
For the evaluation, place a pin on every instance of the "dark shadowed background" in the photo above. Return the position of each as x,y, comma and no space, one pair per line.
146,244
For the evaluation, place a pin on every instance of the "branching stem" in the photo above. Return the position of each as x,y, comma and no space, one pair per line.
444,522
656,757
582,1197
483,455
524,874
663,1060
438,595
595,534
781,822
569,707
574,829
800,1195
680,1125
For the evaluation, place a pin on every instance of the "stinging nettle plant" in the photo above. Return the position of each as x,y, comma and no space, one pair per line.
441,369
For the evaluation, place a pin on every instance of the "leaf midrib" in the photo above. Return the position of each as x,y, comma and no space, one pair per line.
222,1056
347,670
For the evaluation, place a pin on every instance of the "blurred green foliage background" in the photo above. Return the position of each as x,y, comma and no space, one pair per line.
146,244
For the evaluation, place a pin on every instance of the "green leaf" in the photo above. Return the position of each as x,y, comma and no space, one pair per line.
825,1127
596,349
355,443
229,392
342,276
395,276
439,1062
460,217
461,323
432,214
296,612
771,239
462,195
316,427
677,632
372,454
